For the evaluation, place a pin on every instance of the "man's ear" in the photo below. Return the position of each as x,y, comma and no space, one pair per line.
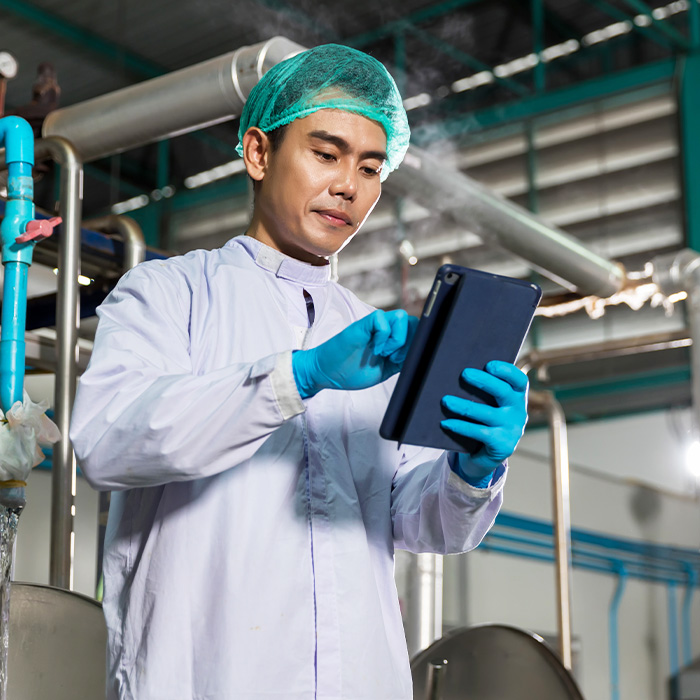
256,153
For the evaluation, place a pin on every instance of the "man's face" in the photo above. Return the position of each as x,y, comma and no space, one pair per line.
319,186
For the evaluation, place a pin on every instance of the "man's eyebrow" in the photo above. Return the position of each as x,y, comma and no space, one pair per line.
340,143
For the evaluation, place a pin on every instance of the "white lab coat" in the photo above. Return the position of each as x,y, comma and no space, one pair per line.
250,545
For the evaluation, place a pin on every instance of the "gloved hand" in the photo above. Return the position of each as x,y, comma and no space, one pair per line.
498,428
366,353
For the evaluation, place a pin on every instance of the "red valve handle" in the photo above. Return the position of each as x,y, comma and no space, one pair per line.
39,229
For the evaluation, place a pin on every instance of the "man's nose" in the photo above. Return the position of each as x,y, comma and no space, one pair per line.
345,182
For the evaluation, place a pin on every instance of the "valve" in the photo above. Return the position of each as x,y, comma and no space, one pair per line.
39,229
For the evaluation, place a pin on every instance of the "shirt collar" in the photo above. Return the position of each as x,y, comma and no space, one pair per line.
282,265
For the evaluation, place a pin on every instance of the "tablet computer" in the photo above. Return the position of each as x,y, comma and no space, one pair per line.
470,318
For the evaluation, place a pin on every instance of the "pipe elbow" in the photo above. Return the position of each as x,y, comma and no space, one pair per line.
18,139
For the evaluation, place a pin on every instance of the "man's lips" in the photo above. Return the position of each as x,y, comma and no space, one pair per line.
335,217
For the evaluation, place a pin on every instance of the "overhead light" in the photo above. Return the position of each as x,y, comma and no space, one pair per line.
609,32
483,78
559,50
692,457
517,65
137,202
416,101
218,173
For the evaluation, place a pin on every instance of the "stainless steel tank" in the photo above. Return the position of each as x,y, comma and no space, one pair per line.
58,644
491,662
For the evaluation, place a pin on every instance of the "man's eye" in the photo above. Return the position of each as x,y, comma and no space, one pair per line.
371,171
329,157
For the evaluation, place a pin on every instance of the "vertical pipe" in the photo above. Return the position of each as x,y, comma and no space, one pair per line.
688,108
17,137
672,629
424,602
687,606
14,312
562,525
435,680
614,641
537,9
63,472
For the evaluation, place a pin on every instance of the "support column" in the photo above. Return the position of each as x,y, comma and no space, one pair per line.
688,110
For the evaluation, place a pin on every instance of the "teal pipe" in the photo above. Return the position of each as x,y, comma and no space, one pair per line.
613,628
18,139
673,630
687,606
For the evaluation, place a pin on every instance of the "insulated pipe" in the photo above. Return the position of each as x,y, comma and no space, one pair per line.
424,602
678,272
216,90
424,178
172,104
562,518
130,233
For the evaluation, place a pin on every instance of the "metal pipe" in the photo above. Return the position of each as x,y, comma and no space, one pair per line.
435,679
614,642
424,178
192,98
562,518
674,273
63,474
536,359
130,233
424,602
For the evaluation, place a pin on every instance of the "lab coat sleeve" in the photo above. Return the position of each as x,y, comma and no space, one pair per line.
434,510
142,417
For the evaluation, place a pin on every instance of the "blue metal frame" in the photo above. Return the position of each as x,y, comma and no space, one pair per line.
672,629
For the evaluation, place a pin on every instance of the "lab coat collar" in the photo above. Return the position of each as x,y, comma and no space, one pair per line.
282,265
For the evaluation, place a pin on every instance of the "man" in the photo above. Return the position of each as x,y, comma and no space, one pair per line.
233,402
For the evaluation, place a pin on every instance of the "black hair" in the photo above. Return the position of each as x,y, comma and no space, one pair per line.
276,136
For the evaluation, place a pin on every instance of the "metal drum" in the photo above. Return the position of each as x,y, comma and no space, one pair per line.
491,662
58,645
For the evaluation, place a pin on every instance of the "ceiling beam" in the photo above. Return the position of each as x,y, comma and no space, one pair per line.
551,101
425,15
107,51
462,57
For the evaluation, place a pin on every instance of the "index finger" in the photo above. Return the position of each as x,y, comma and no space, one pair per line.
509,373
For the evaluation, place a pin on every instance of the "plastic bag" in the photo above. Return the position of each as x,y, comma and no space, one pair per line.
22,430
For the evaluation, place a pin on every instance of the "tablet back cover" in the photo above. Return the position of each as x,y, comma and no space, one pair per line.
484,317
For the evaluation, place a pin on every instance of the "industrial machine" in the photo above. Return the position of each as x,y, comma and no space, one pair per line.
491,662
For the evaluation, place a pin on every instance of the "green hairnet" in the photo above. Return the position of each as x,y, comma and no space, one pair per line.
291,90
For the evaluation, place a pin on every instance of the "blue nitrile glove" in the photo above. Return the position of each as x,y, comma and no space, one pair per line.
366,353
498,428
